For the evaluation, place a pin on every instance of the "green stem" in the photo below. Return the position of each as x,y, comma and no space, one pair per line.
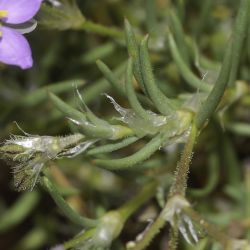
64,206
180,182
178,187
101,29
150,233
247,198
144,195
173,240
78,239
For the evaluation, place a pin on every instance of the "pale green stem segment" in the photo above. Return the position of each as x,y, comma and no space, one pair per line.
162,103
78,239
65,208
150,233
178,188
173,238
101,29
146,193
180,181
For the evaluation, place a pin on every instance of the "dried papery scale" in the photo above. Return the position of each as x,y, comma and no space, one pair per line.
30,153
174,124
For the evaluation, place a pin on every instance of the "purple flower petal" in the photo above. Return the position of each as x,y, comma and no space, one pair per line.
15,49
19,11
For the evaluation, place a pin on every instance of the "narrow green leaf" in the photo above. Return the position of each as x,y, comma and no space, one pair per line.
40,95
66,109
19,211
111,78
90,115
151,15
212,178
131,95
96,53
239,34
186,73
100,86
177,30
65,208
130,161
108,148
94,131
204,17
133,51
162,103
214,97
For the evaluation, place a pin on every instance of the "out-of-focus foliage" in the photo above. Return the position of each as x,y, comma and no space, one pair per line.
112,118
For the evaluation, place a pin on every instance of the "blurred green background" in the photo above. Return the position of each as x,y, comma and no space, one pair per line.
65,54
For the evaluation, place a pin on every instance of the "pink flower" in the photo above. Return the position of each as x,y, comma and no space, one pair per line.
14,48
